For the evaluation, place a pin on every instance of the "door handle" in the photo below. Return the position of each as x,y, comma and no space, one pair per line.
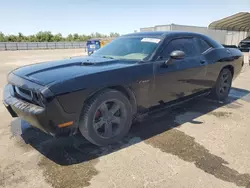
202,62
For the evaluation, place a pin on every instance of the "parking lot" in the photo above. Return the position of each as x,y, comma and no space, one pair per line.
202,143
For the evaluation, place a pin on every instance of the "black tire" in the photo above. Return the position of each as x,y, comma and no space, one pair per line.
87,123
223,85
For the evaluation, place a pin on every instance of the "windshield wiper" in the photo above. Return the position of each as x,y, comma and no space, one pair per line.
108,57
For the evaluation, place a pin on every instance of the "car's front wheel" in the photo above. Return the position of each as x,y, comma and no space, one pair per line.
223,85
106,117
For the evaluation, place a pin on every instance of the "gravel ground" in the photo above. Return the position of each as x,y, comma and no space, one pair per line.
192,146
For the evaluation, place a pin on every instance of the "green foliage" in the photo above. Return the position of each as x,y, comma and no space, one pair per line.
12,38
112,34
2,37
58,37
47,36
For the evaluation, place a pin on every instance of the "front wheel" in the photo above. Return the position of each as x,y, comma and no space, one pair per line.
106,118
223,85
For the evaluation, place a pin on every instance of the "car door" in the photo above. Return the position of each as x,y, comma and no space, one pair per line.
179,78
205,49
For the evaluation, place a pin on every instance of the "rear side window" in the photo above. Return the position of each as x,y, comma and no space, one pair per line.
184,44
203,45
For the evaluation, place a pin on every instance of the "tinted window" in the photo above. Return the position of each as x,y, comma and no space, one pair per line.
185,44
203,45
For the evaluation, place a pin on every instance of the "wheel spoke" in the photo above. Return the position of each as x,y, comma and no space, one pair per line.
104,109
227,85
116,120
115,107
108,130
98,124
225,77
222,90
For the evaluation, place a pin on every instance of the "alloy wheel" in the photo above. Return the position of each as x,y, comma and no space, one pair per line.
109,119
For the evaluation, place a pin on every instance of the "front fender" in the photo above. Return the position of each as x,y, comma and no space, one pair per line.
73,93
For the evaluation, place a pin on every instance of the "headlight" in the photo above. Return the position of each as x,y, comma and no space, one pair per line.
24,93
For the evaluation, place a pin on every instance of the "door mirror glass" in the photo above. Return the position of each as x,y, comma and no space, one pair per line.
177,54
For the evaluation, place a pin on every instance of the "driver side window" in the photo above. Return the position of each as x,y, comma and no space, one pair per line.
184,44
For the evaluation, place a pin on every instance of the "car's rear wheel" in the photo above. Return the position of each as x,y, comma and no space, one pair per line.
106,118
223,85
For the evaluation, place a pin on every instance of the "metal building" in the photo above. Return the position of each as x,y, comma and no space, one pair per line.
230,30
237,27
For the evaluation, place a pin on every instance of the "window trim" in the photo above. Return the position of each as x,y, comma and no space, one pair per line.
210,46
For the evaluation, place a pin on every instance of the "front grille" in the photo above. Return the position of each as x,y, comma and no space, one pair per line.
24,93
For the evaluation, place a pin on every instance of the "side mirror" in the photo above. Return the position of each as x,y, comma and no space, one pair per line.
177,54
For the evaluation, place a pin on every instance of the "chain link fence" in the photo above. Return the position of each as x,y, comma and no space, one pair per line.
5,46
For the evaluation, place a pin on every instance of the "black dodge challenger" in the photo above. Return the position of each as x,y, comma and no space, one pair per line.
136,74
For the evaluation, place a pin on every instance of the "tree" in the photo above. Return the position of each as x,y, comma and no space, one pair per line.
20,37
2,37
98,35
44,36
31,38
112,34
75,37
47,36
58,37
69,37
84,37
12,38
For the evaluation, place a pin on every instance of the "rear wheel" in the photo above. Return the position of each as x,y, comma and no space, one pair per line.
106,118
223,85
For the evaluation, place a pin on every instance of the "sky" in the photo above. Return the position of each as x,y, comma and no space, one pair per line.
105,16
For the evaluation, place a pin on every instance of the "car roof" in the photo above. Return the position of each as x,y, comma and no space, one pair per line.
163,34
147,34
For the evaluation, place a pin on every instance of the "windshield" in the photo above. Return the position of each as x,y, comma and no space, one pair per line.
128,48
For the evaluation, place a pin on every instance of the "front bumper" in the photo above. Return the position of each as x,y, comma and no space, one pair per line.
45,118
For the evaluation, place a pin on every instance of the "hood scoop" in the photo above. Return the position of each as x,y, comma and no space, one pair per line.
87,63
90,62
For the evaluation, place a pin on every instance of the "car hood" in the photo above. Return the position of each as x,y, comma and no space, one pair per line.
47,73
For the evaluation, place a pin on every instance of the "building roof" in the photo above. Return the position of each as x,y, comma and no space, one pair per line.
236,22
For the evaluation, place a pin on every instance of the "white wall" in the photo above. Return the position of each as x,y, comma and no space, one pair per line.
163,28
234,37
217,35
147,29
